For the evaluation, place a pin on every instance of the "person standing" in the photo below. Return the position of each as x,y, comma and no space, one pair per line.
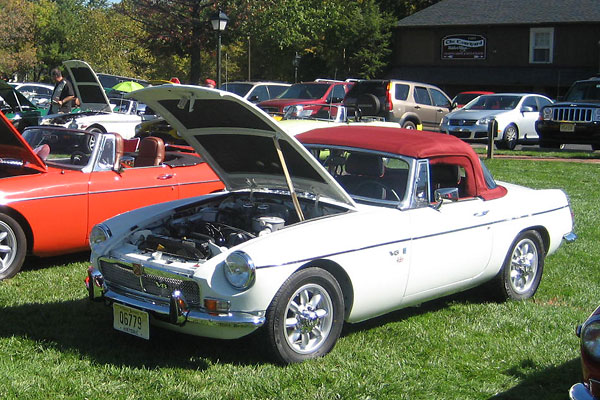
63,95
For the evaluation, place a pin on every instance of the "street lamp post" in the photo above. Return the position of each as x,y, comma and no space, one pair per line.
296,63
219,22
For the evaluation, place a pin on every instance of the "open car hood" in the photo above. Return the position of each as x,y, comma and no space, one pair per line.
14,150
87,87
15,99
236,138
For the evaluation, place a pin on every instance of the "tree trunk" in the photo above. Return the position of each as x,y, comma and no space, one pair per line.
195,63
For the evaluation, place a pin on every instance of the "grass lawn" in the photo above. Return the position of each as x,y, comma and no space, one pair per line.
55,344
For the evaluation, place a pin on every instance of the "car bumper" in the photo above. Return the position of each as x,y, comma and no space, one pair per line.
175,314
470,134
580,392
582,133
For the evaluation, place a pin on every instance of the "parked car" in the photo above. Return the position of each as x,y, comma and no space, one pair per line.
301,118
515,113
39,94
256,92
57,183
414,105
287,248
589,334
317,92
17,108
575,119
96,114
461,99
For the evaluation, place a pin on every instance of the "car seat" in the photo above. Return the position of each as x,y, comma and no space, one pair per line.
151,152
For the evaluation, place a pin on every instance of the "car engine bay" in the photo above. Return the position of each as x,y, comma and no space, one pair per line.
201,231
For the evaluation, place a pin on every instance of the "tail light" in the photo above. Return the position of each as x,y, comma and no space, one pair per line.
388,97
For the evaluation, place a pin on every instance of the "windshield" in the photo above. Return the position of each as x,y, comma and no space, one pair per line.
56,145
584,91
238,88
494,102
305,91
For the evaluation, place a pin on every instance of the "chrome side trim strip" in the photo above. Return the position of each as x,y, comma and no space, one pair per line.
416,238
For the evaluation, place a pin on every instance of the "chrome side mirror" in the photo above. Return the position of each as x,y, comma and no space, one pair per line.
444,194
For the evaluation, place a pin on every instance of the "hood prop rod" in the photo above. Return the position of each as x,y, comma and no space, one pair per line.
288,180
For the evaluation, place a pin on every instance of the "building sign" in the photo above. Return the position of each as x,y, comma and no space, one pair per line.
461,47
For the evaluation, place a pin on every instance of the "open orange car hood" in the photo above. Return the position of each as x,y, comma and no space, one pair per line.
14,150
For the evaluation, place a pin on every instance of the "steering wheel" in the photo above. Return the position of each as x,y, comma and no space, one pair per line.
79,158
385,189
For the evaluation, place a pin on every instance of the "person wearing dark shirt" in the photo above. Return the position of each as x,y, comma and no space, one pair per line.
63,95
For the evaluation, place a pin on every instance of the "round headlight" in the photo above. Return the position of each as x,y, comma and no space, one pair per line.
99,234
590,339
597,114
547,113
239,270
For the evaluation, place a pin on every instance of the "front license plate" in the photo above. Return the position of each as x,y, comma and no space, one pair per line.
567,127
131,320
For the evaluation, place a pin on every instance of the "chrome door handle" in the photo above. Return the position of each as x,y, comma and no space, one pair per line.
165,177
481,213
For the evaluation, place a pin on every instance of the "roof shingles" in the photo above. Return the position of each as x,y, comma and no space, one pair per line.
501,12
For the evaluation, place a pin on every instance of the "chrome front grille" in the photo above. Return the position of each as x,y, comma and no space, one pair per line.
122,275
462,122
573,114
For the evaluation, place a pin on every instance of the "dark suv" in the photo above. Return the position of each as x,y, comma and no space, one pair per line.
576,119
414,105
317,92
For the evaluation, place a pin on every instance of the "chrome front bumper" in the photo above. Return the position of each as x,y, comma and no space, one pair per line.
176,314
580,392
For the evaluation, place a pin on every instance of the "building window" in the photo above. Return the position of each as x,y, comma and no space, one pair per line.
541,44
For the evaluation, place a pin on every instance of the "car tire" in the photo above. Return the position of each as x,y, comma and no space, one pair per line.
13,247
306,316
369,104
409,125
92,140
511,136
522,270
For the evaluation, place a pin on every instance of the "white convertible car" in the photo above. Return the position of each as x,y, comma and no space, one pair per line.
353,223
97,112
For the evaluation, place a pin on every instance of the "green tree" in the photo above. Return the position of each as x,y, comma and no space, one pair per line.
57,22
174,28
335,38
404,8
17,41
109,41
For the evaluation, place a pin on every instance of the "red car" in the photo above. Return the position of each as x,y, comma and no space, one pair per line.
317,92
57,183
461,99
589,333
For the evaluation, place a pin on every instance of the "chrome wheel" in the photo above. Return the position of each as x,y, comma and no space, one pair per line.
309,318
306,316
511,135
524,266
8,247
